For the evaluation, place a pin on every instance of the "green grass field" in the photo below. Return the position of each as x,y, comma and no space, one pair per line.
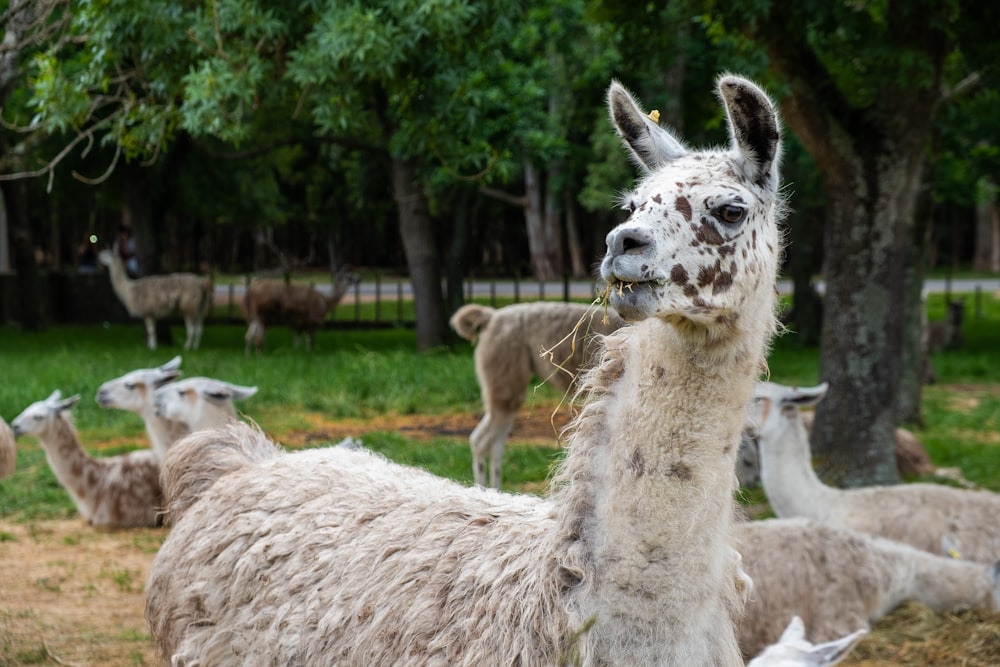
365,374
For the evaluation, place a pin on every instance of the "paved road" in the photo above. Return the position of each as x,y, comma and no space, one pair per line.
578,289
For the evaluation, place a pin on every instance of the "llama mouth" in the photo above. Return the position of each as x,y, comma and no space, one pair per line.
620,287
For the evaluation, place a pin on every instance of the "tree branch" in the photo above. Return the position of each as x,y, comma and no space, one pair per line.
514,200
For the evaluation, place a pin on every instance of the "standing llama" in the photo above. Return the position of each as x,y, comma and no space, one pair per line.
337,556
549,340
114,492
155,297
302,307
200,403
8,450
919,514
134,392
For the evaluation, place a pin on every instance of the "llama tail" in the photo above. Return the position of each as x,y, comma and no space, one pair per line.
195,462
469,320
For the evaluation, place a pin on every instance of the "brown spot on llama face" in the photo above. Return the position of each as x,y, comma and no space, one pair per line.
678,275
707,233
683,207
707,275
657,198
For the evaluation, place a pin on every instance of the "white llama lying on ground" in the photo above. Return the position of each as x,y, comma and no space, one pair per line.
549,340
134,392
794,650
8,450
199,402
839,580
337,556
155,297
917,514
116,491
302,307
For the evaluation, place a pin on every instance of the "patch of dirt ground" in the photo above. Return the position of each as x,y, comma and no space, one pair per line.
73,595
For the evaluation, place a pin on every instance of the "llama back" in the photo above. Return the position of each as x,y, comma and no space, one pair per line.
311,573
195,462
163,295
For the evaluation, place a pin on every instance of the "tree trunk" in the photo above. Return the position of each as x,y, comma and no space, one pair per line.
455,271
987,251
862,341
421,254
4,236
538,235
574,246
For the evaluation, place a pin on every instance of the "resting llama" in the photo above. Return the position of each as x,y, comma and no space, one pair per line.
337,556
8,450
794,650
302,307
549,340
155,297
839,580
134,392
917,514
199,402
116,491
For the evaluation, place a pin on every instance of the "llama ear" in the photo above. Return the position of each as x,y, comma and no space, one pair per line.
830,653
239,393
796,631
67,403
172,365
806,396
166,378
753,129
651,145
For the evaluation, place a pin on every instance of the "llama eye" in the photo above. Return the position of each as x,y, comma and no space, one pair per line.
730,214
130,386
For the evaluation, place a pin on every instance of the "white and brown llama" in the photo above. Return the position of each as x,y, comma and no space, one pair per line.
338,556
154,297
113,492
549,340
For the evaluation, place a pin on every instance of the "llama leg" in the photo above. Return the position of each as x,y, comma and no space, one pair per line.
487,439
198,324
188,333
251,336
151,333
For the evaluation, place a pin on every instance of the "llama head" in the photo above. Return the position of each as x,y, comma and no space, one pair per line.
776,406
701,238
134,390
794,650
38,417
200,402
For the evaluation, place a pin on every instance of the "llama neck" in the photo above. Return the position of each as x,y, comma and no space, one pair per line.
120,281
162,432
214,416
72,466
645,496
786,470
941,583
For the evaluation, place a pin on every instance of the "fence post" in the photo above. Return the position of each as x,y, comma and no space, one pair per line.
399,301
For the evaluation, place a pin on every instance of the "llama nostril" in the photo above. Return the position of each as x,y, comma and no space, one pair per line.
628,241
